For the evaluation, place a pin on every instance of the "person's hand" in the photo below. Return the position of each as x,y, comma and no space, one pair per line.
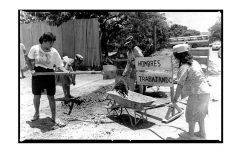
33,72
174,105
174,101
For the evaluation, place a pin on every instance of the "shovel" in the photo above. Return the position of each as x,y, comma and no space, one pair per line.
67,73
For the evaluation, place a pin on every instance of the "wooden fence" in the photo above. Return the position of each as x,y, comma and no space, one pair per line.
72,37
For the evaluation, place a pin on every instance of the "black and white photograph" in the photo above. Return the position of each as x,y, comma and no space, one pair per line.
119,79
129,76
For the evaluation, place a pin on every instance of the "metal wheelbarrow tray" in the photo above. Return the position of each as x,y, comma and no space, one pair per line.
135,101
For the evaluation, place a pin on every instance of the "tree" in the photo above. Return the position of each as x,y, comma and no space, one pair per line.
191,32
140,25
177,30
27,17
216,31
114,26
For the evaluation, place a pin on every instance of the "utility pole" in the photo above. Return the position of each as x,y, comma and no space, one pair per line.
154,38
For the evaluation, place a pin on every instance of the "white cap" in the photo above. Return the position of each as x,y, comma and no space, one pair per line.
179,48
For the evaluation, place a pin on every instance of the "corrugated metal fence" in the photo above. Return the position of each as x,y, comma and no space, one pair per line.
73,37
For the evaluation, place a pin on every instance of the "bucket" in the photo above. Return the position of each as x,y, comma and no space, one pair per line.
109,71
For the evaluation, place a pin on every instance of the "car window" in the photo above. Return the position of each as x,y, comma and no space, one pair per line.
181,39
193,38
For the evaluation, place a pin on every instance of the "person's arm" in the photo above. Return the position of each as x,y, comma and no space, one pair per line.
176,96
126,70
137,52
30,63
24,52
181,76
63,69
177,93
30,60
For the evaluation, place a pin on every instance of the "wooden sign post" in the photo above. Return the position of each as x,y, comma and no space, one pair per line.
157,71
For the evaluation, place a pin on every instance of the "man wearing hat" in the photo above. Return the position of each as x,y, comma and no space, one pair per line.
192,83
130,69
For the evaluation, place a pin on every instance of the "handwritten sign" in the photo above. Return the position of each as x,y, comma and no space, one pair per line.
155,78
154,63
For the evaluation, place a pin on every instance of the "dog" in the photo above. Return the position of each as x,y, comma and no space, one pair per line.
66,80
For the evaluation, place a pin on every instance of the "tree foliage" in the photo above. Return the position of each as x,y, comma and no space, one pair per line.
116,26
140,25
216,30
177,30
30,17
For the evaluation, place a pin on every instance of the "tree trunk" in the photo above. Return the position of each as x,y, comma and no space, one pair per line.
104,45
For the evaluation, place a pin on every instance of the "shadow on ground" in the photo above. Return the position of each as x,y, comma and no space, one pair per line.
156,94
125,121
45,124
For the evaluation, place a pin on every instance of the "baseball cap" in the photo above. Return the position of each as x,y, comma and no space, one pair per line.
179,48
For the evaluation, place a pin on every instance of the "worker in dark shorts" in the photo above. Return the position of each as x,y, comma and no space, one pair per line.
39,83
41,58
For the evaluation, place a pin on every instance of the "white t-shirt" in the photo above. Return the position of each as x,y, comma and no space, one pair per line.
45,59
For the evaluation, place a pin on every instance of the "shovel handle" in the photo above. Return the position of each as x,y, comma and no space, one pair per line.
66,73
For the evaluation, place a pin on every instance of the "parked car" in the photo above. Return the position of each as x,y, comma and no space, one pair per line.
216,45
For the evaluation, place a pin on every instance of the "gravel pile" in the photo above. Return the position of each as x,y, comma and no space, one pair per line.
90,99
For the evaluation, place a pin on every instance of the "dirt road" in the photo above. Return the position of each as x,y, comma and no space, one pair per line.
90,121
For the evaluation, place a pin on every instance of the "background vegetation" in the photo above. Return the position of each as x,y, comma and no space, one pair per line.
116,26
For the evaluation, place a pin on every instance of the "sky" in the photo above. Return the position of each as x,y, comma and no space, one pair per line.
200,21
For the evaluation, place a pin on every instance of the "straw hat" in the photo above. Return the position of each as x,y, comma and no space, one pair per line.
179,48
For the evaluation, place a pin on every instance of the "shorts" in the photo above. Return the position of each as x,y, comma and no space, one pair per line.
197,107
39,83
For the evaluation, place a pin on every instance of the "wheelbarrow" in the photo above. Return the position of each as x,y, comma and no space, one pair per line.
135,101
